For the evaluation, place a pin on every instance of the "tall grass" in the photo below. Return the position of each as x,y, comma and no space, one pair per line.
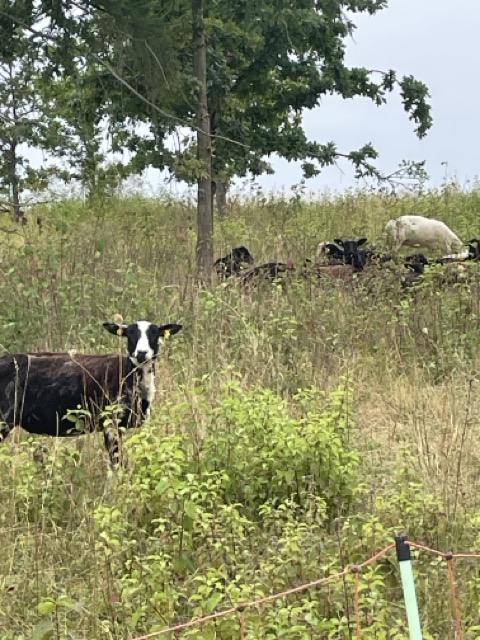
228,485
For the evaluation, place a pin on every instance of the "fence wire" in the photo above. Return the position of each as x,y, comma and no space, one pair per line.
355,570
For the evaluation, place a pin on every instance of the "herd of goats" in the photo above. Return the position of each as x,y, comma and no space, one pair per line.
38,390
344,258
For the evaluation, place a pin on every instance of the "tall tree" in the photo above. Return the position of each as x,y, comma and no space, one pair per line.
266,63
22,112
271,61
204,147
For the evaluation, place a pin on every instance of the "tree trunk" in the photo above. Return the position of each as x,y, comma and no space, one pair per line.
204,205
14,183
13,160
221,197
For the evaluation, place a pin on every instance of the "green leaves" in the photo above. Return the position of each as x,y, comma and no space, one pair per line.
265,62
414,94
44,630
46,606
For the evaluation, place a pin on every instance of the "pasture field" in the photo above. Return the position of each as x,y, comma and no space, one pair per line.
296,429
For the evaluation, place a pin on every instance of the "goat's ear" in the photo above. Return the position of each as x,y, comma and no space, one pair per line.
361,241
166,330
114,328
338,241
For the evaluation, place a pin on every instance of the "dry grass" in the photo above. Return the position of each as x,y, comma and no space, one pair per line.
438,423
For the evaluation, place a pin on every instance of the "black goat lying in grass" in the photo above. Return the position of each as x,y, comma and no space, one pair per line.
231,264
415,275
453,272
343,252
267,272
340,251
472,253
337,270
344,259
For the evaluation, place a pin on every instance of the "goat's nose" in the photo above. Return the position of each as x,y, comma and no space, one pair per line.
141,356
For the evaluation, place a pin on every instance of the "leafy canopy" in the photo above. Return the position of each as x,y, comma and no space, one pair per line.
267,63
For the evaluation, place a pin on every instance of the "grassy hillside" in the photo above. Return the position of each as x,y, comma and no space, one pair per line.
295,431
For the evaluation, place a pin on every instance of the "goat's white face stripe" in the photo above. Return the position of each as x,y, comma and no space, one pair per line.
143,343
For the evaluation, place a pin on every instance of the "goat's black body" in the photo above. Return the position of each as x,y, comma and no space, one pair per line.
38,389
269,271
416,258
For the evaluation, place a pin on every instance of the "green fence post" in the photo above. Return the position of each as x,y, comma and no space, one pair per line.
406,572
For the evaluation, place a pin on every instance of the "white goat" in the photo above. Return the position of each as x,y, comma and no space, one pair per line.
418,231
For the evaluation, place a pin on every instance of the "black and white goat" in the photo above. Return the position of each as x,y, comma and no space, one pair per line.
452,271
38,390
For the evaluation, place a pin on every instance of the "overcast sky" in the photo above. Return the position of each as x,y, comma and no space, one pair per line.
437,42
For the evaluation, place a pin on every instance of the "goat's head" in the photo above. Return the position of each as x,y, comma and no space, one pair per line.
359,259
143,338
474,249
350,247
416,258
242,254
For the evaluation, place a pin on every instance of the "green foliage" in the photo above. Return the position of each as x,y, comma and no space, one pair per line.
272,456
183,506
23,114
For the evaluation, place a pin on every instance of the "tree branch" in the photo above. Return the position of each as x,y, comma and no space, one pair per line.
117,76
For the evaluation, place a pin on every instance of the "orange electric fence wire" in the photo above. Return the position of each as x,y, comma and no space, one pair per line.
442,554
355,569
449,557
246,605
